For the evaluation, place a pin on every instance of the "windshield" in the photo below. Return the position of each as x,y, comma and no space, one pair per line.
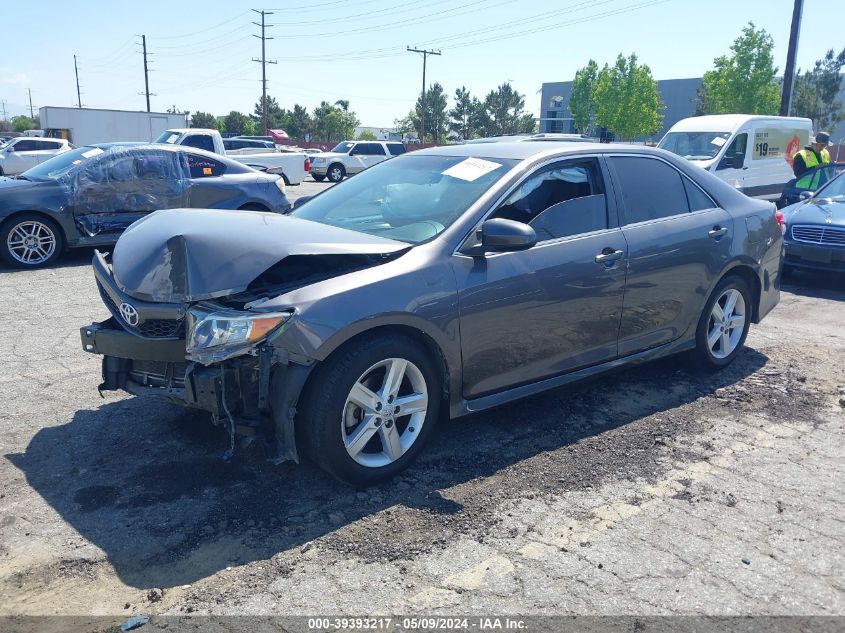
834,190
410,198
168,137
342,148
61,164
695,145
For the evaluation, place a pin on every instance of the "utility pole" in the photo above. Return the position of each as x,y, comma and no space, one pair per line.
146,72
264,63
425,55
78,93
31,108
3,103
792,51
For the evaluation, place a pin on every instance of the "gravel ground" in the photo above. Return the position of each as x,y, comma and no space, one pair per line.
655,490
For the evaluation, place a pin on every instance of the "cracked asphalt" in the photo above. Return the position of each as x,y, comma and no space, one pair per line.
655,490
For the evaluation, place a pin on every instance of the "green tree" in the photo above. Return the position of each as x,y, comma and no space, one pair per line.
744,81
627,101
203,120
23,123
816,91
581,102
333,123
235,122
366,135
220,124
298,123
502,112
436,121
407,125
275,114
250,127
463,118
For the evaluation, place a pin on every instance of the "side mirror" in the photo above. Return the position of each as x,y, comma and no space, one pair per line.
300,201
738,160
805,195
502,236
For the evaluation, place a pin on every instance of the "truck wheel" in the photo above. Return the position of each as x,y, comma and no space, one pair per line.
318,178
370,409
30,241
336,172
724,324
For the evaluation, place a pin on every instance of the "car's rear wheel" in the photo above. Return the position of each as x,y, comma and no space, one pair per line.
318,178
370,409
724,324
336,172
30,241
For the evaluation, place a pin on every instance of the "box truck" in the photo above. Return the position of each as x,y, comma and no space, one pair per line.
83,126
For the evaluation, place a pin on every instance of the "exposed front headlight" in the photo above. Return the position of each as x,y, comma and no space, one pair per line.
215,336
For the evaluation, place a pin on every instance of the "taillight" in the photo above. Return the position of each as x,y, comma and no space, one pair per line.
779,218
308,166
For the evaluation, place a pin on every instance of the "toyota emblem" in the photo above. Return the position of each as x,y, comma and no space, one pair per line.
129,313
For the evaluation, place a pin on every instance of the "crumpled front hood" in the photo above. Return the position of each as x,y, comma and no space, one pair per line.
186,255
15,184
816,211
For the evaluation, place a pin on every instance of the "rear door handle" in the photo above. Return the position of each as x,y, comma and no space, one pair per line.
608,256
717,232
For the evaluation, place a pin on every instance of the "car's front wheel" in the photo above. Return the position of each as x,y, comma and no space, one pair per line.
371,408
724,324
336,172
30,241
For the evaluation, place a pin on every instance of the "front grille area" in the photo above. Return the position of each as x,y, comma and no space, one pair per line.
817,234
148,328
153,373
162,328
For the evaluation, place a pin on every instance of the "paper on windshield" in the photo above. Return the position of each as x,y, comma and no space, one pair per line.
718,141
171,139
471,169
92,152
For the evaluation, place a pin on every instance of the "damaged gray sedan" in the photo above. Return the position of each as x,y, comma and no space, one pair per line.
440,283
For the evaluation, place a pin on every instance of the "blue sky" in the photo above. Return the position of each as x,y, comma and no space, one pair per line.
355,49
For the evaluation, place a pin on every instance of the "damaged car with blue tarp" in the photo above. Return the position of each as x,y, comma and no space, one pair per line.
89,195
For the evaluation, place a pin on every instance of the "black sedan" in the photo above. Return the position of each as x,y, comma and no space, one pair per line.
90,195
815,230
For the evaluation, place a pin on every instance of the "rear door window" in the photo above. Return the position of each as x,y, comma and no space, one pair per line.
395,149
200,141
561,200
374,149
650,188
204,167
698,200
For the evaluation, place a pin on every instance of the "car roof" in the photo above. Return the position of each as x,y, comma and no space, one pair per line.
521,151
729,122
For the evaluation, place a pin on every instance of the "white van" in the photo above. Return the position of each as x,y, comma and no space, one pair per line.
751,152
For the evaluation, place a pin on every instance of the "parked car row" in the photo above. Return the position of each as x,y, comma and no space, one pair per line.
22,153
352,157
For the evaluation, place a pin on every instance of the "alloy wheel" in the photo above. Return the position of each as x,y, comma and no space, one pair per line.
384,412
726,323
31,242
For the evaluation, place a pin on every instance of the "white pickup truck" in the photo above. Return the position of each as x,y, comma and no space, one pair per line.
292,167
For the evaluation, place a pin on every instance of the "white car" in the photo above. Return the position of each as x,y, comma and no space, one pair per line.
351,157
23,153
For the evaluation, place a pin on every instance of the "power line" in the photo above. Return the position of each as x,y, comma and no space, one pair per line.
425,55
205,30
264,63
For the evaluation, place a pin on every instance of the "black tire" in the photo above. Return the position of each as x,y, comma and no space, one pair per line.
49,228
703,354
322,424
336,172
318,178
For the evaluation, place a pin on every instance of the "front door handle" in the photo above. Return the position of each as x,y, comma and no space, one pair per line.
717,232
609,255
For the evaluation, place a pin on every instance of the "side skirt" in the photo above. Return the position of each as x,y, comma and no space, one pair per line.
465,407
